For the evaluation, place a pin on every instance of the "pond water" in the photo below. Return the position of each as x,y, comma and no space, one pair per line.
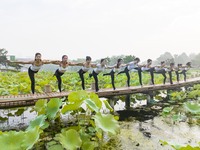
135,134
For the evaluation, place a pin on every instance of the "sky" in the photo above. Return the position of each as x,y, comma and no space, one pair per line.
99,28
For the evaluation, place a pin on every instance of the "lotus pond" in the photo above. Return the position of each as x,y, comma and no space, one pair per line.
171,120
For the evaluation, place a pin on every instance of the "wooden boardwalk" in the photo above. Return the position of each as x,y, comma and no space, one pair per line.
30,99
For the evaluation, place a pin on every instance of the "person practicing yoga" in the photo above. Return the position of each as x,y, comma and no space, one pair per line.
112,72
63,66
182,70
34,68
133,65
149,69
161,70
170,69
85,68
98,69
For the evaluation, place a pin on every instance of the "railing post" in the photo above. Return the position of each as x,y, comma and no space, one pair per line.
127,102
47,88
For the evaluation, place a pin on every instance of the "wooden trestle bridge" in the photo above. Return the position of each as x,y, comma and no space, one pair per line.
30,99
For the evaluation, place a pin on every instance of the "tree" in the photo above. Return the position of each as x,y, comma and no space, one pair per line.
182,59
128,58
167,57
196,61
3,57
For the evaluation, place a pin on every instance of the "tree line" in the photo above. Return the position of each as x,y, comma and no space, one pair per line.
167,56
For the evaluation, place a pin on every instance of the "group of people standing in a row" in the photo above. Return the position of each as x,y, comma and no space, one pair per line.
86,66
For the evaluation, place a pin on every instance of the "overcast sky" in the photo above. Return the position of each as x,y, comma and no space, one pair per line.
99,28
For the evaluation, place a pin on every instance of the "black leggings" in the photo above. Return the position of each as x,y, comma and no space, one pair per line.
95,76
128,75
31,74
151,71
170,77
58,76
163,72
112,75
81,74
182,72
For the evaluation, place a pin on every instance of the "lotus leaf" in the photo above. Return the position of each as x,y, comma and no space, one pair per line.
53,107
107,123
40,106
192,107
70,139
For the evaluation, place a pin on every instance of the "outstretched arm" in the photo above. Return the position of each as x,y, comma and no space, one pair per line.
56,62
75,64
21,62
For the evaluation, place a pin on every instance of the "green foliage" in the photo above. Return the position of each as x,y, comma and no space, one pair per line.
166,111
70,139
178,96
86,134
40,106
38,121
13,140
193,108
53,106
106,122
180,147
50,109
194,94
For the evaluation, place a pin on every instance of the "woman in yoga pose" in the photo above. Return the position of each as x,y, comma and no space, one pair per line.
112,72
85,68
170,70
161,70
63,66
99,68
150,69
182,70
36,65
132,66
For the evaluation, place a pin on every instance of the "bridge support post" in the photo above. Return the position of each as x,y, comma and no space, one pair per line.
149,98
127,102
112,101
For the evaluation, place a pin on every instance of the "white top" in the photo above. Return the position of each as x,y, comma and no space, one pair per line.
145,69
99,68
132,65
159,68
184,68
85,69
62,69
35,68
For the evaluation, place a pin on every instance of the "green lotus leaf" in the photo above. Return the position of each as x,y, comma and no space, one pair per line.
108,105
167,109
193,94
40,106
84,136
94,97
19,112
77,96
192,107
91,105
70,139
55,147
11,140
3,118
39,121
70,107
53,107
91,145
31,137
107,123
